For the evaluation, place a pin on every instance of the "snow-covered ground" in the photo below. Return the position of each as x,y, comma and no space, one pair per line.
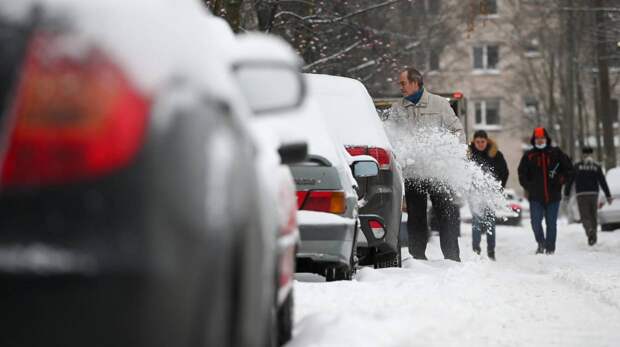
569,299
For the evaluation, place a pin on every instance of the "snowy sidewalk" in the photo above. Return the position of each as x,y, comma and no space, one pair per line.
569,299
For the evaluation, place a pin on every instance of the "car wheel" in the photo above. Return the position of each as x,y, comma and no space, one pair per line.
337,273
285,320
389,260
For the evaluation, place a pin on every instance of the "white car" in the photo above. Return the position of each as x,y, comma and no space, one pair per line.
267,73
609,215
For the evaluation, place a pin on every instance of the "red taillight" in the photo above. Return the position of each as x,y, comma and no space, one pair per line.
301,197
323,201
457,95
381,155
74,118
356,150
515,207
377,229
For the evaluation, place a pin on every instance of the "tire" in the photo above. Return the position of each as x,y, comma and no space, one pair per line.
390,260
285,320
335,273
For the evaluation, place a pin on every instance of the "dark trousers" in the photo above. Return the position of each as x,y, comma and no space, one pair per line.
588,206
416,194
483,224
549,212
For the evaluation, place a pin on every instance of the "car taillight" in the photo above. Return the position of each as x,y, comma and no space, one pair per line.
73,118
515,207
381,155
324,201
301,197
377,229
356,150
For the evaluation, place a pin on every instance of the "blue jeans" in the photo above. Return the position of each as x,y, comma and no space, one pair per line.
484,223
538,210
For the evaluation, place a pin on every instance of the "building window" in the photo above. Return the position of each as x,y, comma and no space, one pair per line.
433,60
488,7
486,57
487,113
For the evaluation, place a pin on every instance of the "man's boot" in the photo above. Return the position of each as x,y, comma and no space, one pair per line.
541,248
477,250
591,240
491,255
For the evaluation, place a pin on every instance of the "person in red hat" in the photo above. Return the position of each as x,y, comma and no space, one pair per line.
542,172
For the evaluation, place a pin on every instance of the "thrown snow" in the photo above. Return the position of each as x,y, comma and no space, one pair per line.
569,299
437,155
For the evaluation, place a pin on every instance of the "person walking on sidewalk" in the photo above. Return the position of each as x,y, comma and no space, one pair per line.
419,110
542,172
587,179
484,152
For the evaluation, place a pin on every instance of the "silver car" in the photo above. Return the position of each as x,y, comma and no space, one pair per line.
327,199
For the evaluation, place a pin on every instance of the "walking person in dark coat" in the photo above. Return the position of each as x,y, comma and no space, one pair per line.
542,172
588,178
485,153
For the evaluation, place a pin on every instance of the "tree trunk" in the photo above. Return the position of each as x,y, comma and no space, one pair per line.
569,107
603,74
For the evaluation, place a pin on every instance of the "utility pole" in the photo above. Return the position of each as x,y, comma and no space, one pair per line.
603,73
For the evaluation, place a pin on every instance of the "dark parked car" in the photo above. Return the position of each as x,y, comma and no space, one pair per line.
352,120
128,215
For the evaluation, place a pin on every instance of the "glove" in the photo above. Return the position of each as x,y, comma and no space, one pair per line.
610,200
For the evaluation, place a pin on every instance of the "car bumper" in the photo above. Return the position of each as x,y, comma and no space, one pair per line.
609,216
325,238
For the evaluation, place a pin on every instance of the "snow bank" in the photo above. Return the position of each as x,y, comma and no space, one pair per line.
523,299
437,156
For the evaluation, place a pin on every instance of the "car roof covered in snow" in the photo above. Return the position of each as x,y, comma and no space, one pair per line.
142,37
348,110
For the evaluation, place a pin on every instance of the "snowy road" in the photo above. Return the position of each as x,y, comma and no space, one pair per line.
569,299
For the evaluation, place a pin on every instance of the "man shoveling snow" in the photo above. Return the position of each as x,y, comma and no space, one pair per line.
420,111
429,142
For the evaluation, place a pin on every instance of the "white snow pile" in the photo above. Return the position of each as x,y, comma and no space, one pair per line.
436,155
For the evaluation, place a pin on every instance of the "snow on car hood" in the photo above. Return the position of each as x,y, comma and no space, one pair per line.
348,110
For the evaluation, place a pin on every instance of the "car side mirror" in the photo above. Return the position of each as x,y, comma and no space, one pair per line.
374,229
270,86
292,153
365,168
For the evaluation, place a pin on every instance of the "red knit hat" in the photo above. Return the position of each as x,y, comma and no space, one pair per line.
539,133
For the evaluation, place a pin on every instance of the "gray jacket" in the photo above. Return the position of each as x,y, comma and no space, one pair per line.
432,111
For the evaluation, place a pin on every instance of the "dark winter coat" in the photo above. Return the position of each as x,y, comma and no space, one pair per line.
587,178
491,160
542,172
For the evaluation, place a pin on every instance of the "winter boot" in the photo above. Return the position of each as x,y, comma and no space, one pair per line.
541,248
549,252
591,241
477,251
491,255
